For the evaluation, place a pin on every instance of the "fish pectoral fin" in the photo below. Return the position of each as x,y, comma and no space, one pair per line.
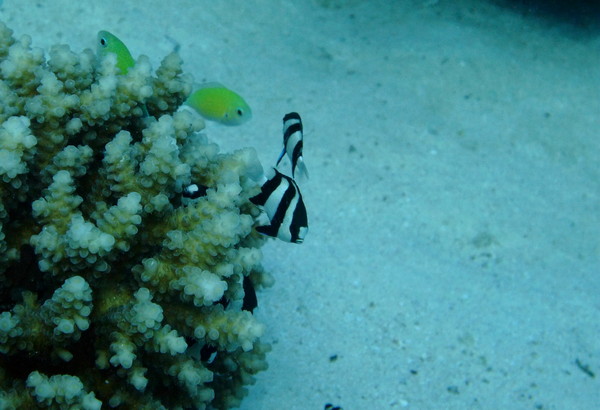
301,172
280,157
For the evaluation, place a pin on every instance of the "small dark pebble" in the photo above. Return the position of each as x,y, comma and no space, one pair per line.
453,389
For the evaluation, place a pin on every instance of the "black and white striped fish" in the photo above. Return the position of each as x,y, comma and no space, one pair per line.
194,191
293,140
281,199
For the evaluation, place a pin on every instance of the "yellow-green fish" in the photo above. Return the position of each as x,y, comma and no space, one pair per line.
215,102
109,43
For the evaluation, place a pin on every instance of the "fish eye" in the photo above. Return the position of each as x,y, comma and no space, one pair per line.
240,112
103,41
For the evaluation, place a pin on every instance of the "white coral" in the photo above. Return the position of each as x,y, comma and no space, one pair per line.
145,314
201,286
69,308
15,142
61,390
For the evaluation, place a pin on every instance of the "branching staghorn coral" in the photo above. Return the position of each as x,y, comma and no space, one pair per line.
112,284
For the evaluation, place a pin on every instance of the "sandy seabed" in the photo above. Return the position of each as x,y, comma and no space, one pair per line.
453,259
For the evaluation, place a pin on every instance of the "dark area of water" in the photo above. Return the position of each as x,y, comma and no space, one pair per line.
583,14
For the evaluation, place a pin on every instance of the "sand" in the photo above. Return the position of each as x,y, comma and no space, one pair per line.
453,258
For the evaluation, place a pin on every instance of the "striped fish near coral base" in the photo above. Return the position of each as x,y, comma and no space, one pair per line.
282,201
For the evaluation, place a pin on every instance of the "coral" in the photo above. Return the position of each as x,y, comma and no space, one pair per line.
113,285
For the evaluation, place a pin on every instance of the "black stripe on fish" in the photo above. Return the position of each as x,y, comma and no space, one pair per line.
291,128
283,203
297,157
250,302
292,116
267,189
281,199
300,226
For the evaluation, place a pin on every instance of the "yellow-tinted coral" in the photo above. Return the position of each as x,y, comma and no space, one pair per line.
113,285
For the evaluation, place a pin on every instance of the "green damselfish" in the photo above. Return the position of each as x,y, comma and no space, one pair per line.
215,102
109,43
